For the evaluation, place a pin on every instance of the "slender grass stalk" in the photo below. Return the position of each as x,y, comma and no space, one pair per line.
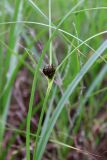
48,113
37,8
50,33
29,118
90,9
10,63
50,82
1,50
13,36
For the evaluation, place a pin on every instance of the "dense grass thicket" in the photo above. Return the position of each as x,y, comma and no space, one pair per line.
53,76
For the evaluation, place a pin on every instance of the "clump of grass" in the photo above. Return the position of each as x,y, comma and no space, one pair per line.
76,59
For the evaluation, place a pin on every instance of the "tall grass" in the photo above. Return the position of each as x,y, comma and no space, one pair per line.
82,46
10,64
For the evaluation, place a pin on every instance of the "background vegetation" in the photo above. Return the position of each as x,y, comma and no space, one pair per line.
63,118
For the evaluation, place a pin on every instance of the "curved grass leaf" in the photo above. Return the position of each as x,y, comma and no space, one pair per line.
80,111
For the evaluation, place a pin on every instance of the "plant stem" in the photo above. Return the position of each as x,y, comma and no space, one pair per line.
50,82
50,33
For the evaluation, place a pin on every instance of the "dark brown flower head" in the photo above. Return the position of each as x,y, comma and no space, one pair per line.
49,71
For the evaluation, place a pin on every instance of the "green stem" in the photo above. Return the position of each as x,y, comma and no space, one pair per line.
50,82
50,32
